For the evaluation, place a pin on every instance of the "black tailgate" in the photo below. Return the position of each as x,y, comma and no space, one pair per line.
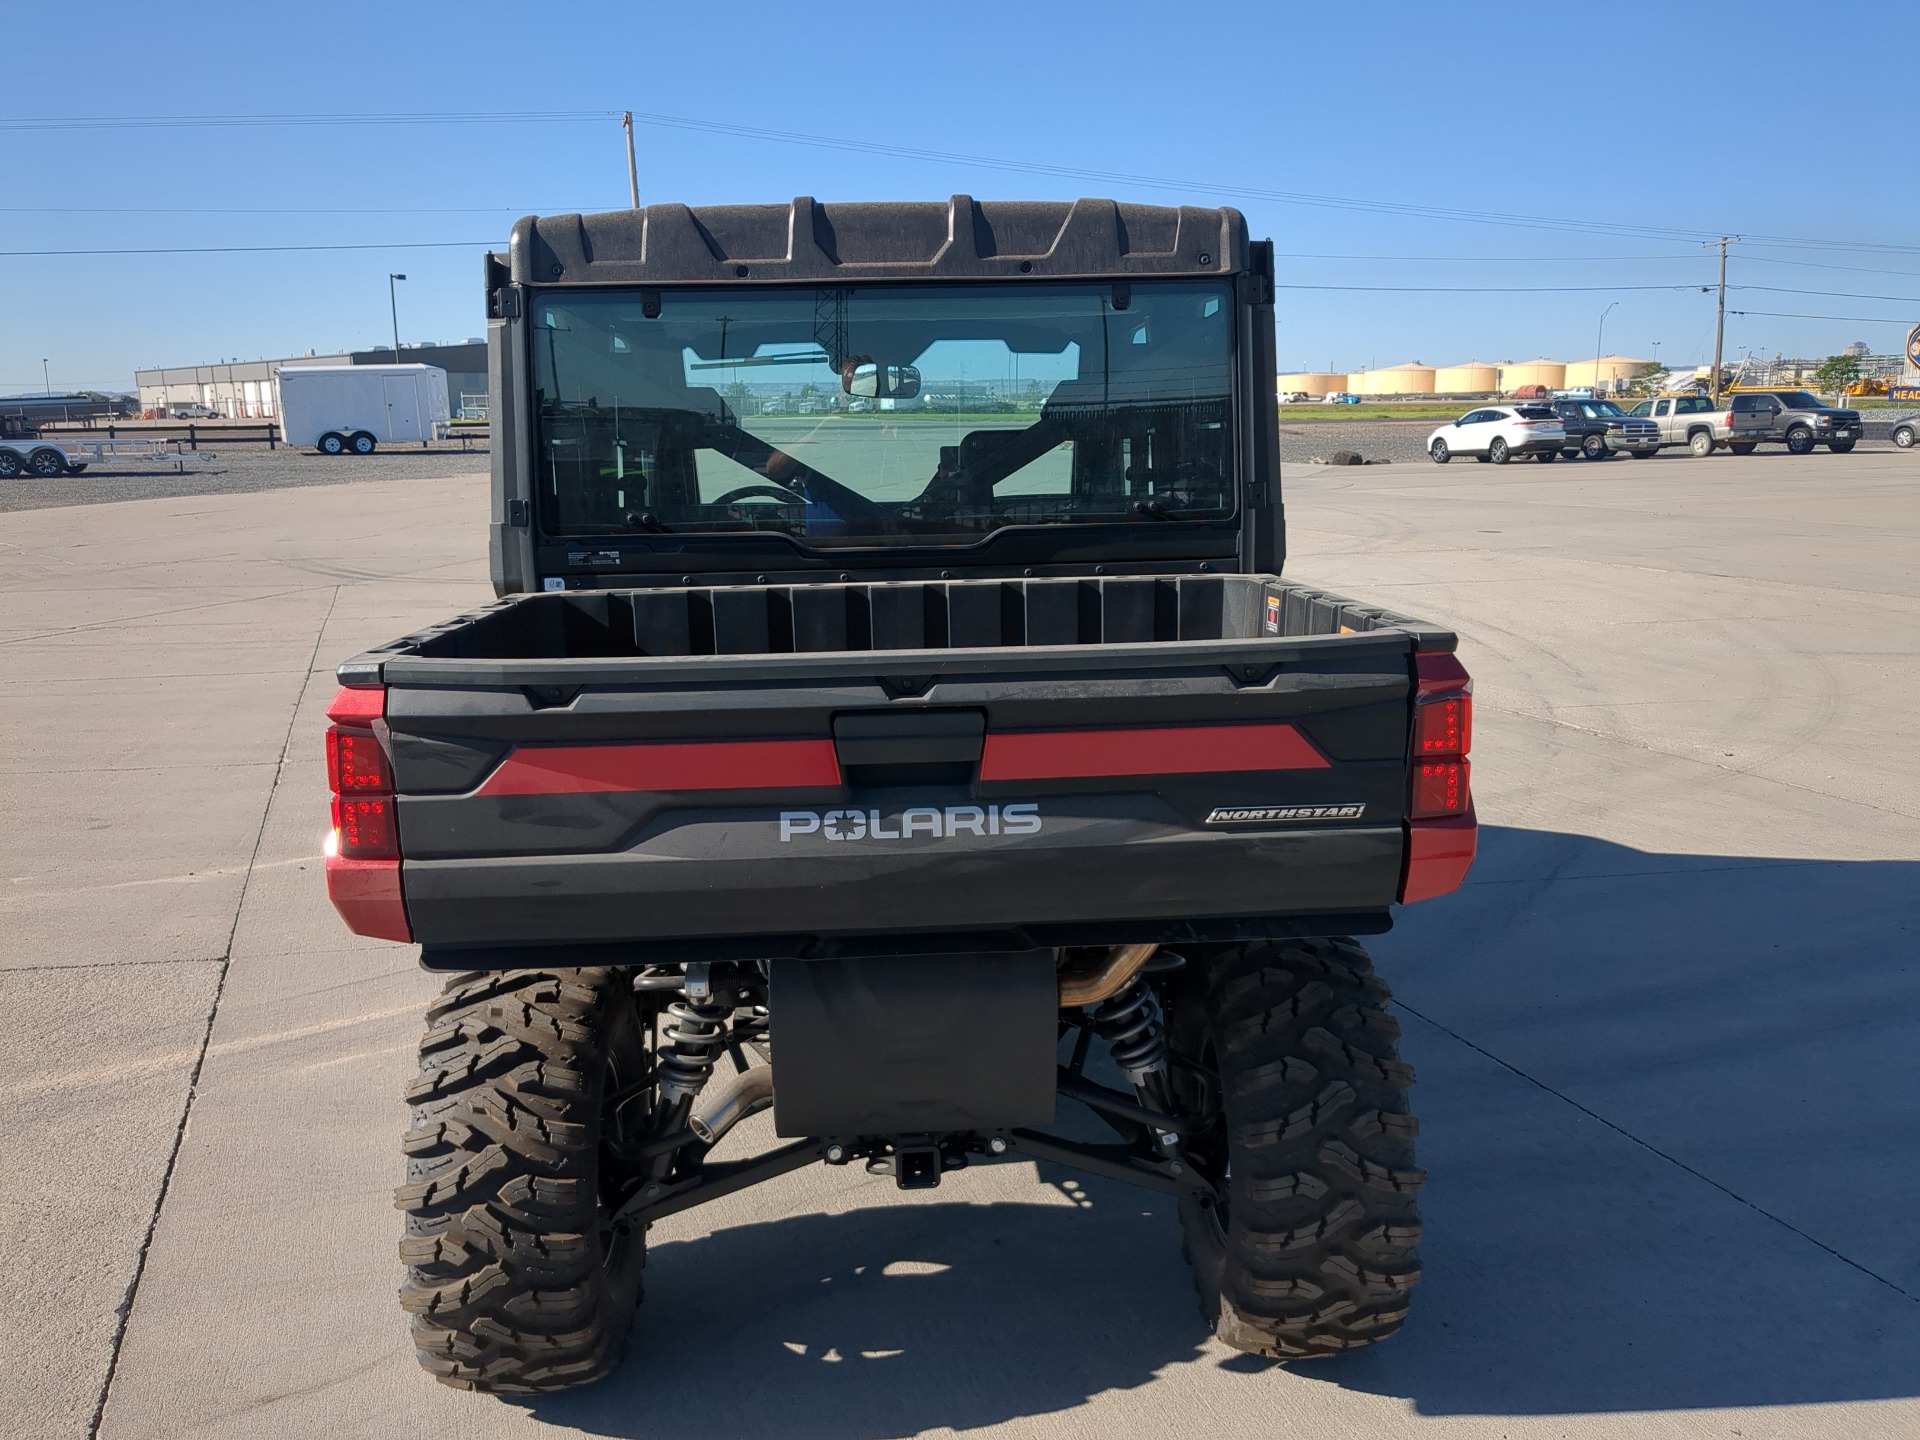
774,804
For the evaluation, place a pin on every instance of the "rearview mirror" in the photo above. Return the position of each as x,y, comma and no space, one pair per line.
881,382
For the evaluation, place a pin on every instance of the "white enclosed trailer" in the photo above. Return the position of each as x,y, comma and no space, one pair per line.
352,409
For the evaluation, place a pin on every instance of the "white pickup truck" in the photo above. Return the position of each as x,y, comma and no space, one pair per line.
1690,420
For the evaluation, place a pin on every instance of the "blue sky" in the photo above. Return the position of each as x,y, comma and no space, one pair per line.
1669,118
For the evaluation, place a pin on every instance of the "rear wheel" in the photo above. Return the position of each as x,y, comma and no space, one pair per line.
1641,454
1594,448
1799,441
1742,447
1700,444
1544,456
516,1279
47,463
1285,1053
1840,447
332,444
361,443
1497,451
1903,436
1440,453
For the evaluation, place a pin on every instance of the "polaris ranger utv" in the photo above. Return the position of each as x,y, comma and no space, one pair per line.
893,716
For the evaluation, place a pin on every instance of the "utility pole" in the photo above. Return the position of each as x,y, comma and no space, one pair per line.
394,306
46,375
633,169
1720,321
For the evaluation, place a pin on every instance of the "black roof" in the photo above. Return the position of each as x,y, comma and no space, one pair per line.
809,240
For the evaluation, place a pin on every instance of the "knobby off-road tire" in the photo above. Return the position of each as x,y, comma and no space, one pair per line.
1288,1049
514,1281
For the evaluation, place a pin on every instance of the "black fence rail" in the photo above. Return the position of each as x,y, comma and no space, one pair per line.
186,432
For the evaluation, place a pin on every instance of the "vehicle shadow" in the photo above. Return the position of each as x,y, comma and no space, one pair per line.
1663,1101
898,1320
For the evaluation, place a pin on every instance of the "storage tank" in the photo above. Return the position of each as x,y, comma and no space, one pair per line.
1312,382
1469,377
1604,371
1550,373
1412,378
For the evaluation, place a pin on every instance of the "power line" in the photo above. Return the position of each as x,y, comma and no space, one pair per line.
1796,315
262,249
186,122
1830,294
871,147
1485,259
1489,289
258,210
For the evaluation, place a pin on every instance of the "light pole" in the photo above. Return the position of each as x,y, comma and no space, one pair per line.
46,375
394,306
1597,345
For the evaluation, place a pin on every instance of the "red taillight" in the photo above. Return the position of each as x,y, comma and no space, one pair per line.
363,859
1439,789
356,765
363,828
1443,725
1441,829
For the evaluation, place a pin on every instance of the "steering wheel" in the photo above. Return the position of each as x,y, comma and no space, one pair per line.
785,497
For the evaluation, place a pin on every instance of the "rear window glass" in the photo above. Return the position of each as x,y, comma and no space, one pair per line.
1535,412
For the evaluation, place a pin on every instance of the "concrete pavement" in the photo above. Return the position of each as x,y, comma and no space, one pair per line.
1667,1035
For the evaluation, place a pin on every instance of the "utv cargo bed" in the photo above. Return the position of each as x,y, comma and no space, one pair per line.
950,765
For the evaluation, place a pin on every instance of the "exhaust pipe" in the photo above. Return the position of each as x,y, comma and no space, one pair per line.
1107,977
728,1099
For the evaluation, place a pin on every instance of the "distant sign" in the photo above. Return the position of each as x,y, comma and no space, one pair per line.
1904,394
1913,347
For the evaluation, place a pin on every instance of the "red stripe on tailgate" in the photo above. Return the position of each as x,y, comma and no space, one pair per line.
704,765
1166,750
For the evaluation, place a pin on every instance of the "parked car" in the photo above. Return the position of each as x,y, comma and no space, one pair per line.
1340,397
1905,430
194,412
1690,420
1795,418
1599,428
1498,433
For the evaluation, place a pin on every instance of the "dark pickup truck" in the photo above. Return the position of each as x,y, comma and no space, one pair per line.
1793,418
894,717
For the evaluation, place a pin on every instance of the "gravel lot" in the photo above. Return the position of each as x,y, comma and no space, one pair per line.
234,471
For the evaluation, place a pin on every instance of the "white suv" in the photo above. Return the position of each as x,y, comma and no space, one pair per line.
1498,433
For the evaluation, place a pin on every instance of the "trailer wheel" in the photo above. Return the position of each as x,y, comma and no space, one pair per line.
10,465
47,463
1286,1053
516,1280
361,443
332,444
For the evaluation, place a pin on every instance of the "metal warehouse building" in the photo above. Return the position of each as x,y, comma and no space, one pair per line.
243,389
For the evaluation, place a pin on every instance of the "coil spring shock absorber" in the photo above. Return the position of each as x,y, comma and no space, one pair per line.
694,1032
1131,1024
